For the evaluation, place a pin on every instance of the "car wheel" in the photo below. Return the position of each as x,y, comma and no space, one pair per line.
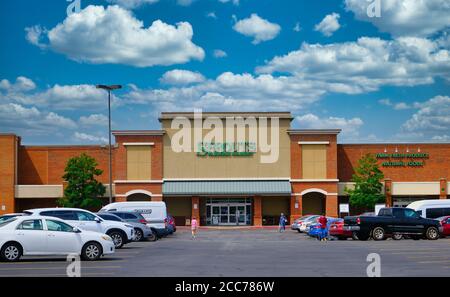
11,252
299,231
152,236
432,233
139,235
378,233
354,236
397,237
92,251
117,238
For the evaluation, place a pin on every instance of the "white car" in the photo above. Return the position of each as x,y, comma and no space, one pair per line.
43,236
154,212
120,232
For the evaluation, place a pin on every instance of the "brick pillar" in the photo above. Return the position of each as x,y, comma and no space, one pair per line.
8,171
257,211
388,192
296,207
331,206
196,209
443,188
157,198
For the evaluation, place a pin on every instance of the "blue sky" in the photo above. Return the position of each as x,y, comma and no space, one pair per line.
379,79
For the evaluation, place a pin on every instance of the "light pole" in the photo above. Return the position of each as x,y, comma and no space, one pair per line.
109,89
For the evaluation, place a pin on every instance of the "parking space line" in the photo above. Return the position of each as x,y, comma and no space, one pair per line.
59,274
53,268
415,252
430,262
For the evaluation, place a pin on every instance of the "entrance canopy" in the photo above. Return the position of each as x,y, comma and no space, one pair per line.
232,187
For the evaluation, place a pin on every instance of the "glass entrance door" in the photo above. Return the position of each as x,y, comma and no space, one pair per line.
228,212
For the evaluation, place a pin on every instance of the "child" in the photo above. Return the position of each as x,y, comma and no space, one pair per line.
194,226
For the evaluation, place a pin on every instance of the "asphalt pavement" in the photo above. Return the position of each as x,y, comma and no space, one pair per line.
251,253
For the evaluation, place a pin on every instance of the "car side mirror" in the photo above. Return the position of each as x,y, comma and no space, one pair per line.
76,230
98,220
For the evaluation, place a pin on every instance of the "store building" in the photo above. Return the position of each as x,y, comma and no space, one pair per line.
227,182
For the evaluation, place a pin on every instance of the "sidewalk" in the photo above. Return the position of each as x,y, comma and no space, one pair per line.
205,228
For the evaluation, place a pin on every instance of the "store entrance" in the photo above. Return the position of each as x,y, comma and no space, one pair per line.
228,212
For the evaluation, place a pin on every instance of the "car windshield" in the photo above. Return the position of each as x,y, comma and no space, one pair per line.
8,221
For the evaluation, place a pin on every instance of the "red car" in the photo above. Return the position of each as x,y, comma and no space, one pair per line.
337,230
445,222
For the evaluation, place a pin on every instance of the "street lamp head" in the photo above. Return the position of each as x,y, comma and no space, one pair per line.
110,87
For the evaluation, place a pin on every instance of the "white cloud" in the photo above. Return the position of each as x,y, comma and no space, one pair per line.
89,138
94,120
329,24
57,97
181,77
34,36
211,15
297,27
366,64
230,92
402,106
114,36
350,127
235,2
406,17
385,102
131,4
30,120
218,53
258,28
432,120
22,84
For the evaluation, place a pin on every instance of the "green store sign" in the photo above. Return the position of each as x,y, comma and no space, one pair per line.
226,149
397,159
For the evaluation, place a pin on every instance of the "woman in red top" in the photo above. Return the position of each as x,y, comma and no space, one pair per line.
323,226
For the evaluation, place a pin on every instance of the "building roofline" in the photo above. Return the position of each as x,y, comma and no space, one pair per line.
190,115
138,132
396,143
313,131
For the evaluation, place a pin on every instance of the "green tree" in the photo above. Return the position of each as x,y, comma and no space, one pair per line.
368,186
83,190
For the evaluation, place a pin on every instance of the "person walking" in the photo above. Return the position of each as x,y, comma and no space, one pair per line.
323,228
282,223
194,227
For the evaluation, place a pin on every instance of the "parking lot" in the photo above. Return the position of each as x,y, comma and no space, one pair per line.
246,253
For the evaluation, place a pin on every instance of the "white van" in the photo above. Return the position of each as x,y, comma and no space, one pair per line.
431,209
155,212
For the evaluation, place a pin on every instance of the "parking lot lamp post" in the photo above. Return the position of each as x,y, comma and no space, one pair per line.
109,89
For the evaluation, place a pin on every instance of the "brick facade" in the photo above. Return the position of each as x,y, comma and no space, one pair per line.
44,165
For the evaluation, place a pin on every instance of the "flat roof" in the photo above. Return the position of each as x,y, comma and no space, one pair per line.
313,131
222,115
139,132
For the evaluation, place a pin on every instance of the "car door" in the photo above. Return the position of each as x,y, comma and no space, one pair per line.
31,234
61,238
446,227
66,215
86,221
412,222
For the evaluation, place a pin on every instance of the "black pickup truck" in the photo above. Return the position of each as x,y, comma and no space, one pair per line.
393,221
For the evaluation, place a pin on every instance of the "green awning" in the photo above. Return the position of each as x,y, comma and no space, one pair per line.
237,187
